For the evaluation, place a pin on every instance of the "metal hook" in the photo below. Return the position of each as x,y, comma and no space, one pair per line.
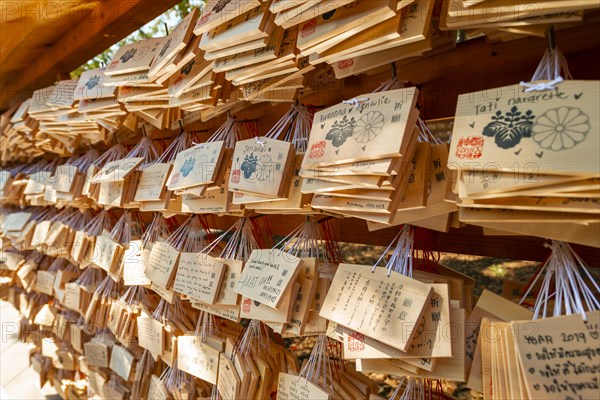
144,131
180,122
394,71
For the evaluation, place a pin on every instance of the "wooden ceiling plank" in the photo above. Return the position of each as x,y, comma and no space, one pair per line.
25,25
109,22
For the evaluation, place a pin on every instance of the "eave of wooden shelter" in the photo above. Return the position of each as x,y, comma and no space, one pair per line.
43,40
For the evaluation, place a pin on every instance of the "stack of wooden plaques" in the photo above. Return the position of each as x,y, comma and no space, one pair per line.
97,101
276,172
18,132
359,155
527,160
386,32
511,20
150,306
128,72
364,299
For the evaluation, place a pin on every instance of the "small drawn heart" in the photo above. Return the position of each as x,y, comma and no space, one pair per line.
322,126
531,370
539,154
594,335
337,151
577,96
518,152
364,147
536,386
528,356
472,124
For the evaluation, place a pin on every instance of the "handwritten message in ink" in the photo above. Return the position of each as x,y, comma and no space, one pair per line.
560,356
268,274
386,308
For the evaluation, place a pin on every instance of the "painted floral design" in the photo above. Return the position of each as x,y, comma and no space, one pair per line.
340,131
188,166
92,82
368,127
249,165
561,128
111,169
187,68
509,128
221,4
263,168
165,47
328,14
129,54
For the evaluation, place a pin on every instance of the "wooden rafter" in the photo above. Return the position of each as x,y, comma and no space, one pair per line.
106,22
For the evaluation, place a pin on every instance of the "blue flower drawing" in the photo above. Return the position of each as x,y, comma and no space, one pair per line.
188,166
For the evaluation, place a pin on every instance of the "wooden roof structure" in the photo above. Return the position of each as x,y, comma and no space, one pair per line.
42,40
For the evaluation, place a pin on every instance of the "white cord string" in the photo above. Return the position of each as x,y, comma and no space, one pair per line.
356,102
541,86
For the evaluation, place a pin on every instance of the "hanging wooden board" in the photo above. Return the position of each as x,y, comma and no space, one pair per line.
413,27
552,131
293,387
267,276
219,12
91,86
561,345
255,24
189,74
459,16
371,60
196,165
134,57
308,11
375,130
344,21
260,166
173,44
347,303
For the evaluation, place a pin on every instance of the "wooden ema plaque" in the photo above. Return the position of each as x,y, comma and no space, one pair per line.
374,130
546,132
358,299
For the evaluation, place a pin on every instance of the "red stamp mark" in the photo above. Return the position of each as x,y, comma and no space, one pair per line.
235,175
347,63
175,178
309,28
356,342
317,150
113,64
470,147
204,19
246,305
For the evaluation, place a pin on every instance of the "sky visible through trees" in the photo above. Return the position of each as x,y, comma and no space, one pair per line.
154,28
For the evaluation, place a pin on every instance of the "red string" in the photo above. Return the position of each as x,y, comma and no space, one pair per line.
258,232
332,247
424,240
207,231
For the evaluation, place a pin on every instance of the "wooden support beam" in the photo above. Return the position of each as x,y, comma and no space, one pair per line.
469,240
107,22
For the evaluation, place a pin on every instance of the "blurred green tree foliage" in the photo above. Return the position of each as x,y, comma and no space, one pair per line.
154,28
